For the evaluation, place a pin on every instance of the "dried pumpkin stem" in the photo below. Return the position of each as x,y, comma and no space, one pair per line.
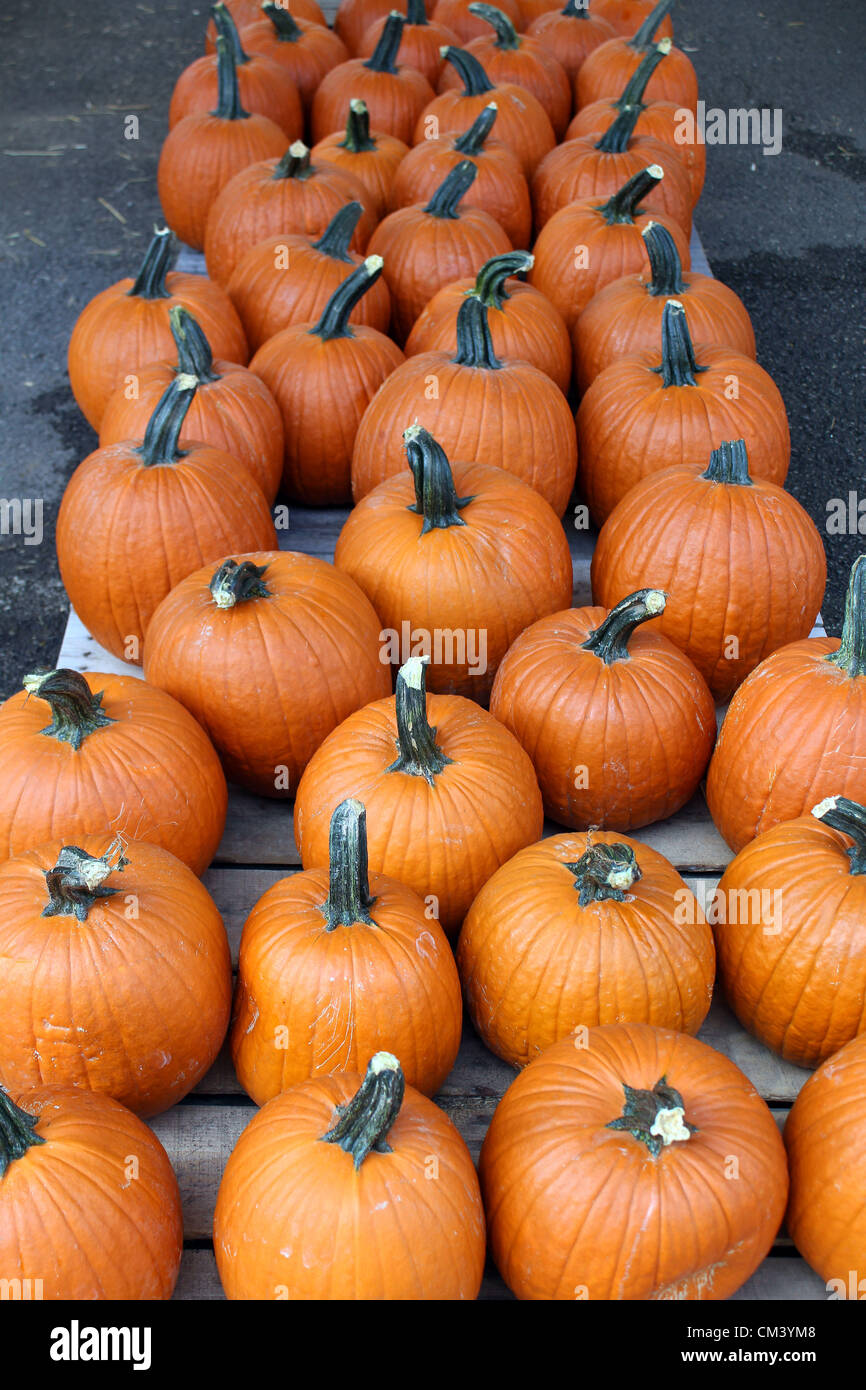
679,366
622,206
235,583
419,755
17,1131
469,70
194,356
150,283
75,711
471,142
474,343
445,201
617,136
349,898
849,817
435,494
77,880
633,92
285,27
610,639
666,269
384,55
228,107
334,322
729,464
656,1117
850,655
336,237
489,284
357,137
160,443
363,1124
295,163
507,36
646,33
604,873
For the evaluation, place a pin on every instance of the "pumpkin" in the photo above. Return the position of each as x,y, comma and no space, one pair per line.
263,85
522,322
303,48
610,65
128,326
354,19
624,15
457,802
421,41
269,653
120,977
570,33
395,94
507,56
421,547
204,151
323,376
697,533
501,412
499,189
278,197
467,25
372,157
606,1171
586,245
84,750
824,1136
136,518
788,922
247,13
339,1143
617,721
289,279
794,730
522,122
429,245
663,408
232,408
580,930
319,953
625,317
594,166
67,1205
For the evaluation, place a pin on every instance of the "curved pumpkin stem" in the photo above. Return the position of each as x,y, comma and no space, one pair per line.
150,283
666,268
228,106
235,583
419,753
617,136
226,26
679,366
849,817
469,70
472,140
194,356
384,55
604,873
656,1117
17,1131
295,163
76,881
622,206
364,1123
646,33
285,27
334,322
610,639
446,199
489,285
357,137
474,343
506,34
850,655
75,711
349,897
729,464
633,92
435,494
336,237
160,443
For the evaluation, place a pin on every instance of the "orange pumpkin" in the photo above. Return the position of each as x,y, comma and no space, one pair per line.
625,15
286,616
610,65
580,930
303,48
570,33
84,750
246,13
372,157
395,94
421,41
122,978
458,15
319,953
355,17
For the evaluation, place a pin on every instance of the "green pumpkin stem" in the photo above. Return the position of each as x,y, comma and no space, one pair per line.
469,70
622,206
235,583
226,26
416,13
17,1131
160,443
337,236
656,1118
576,9
295,163
334,322
285,27
349,898
363,1124
617,136
228,107
679,366
666,269
646,33
489,284
604,873
194,356
507,36
75,711
150,283
76,882
357,137
633,92
849,817
445,201
610,639
471,142
419,755
435,494
474,343
384,55
729,464
850,655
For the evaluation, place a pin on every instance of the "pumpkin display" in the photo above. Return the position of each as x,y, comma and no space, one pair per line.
521,123
499,188
291,617
789,932
502,412
320,953
232,409
616,719
581,930
395,94
119,977
610,65
625,317
457,802
136,518
303,48
458,15
824,1137
570,33
82,750
664,408
128,326
355,17
421,41
289,279
588,244
794,731
338,1143
371,156
605,1171
323,376
204,151
421,546
278,197
247,13
697,533
264,86
429,245
624,15
522,322
68,1207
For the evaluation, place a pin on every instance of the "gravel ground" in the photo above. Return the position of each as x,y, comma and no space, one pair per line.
79,200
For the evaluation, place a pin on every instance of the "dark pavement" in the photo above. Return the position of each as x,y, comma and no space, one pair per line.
79,199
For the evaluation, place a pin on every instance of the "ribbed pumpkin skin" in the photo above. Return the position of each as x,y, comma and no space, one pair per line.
151,775
790,941
624,319
792,735
316,635
824,1136
284,1197
374,169
444,840
488,416
522,122
264,87
576,170
328,987
527,327
133,1007
354,18
629,425
626,16
285,280
419,45
448,580
609,67
535,965
575,1209
394,100
116,334
246,13
659,120
70,1217
569,39
642,729
500,188
306,62
236,414
456,15
531,66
